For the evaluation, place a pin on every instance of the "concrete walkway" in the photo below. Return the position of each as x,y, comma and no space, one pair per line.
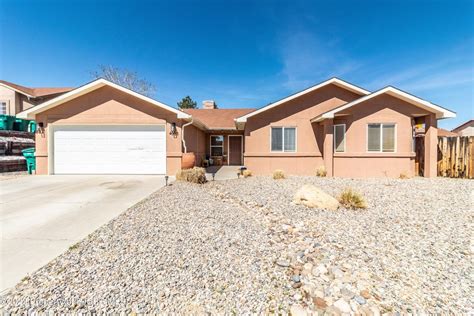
42,216
222,172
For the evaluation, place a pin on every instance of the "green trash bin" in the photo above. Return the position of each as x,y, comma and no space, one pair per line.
20,125
32,127
29,155
6,122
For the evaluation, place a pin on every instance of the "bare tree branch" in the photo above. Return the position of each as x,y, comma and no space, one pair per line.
125,78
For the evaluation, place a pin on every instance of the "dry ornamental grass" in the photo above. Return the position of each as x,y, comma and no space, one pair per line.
321,171
351,199
194,175
278,174
247,173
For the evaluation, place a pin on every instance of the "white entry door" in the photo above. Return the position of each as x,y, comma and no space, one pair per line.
106,149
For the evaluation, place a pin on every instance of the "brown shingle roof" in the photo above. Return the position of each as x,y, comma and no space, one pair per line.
218,118
35,92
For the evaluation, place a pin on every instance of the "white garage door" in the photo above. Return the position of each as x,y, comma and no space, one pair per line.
109,150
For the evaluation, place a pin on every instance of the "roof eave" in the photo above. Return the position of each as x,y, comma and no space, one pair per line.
16,90
89,87
441,113
336,81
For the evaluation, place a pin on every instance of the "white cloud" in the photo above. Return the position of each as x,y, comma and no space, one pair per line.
456,69
307,59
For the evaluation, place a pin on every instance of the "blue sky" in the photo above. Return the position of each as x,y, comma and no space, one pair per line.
246,53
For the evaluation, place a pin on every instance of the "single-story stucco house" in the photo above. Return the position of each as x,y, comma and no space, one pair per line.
15,98
102,127
465,129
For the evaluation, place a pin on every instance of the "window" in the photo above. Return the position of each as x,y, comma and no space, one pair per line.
217,145
340,138
3,107
284,139
381,137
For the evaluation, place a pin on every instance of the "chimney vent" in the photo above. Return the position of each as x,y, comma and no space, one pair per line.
208,104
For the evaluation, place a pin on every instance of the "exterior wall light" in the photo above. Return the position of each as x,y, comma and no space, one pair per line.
173,130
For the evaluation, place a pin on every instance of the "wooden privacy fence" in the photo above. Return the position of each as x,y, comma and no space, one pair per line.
456,157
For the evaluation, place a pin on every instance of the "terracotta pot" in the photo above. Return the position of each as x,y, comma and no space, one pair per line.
188,160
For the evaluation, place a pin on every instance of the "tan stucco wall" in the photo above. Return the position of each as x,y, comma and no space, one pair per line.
25,103
374,166
195,142
355,161
18,102
291,165
8,96
295,113
108,106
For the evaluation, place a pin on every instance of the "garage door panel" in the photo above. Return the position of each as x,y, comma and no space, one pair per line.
110,150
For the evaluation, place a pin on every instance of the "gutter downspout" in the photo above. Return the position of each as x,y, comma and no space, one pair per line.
182,135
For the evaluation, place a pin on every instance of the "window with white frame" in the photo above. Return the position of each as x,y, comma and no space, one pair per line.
3,107
381,137
217,145
339,138
283,139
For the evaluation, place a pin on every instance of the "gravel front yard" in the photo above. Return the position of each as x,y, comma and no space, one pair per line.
242,246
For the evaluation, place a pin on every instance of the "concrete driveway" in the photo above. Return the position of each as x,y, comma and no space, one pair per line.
42,216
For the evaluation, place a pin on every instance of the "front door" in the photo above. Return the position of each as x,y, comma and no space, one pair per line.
235,150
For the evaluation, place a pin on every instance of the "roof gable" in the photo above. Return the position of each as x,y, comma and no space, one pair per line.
336,81
394,92
89,87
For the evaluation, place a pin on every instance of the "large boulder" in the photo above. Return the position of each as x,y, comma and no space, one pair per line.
312,196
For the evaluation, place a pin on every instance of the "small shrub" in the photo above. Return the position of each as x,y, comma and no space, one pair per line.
278,174
321,171
351,199
194,175
404,175
247,173
74,247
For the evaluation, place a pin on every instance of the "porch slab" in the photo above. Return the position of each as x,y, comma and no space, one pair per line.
222,172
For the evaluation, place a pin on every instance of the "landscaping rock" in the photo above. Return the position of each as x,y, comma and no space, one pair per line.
311,196
320,303
215,248
343,306
283,263
360,300
297,310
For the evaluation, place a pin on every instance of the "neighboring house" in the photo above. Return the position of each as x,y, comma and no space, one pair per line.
466,129
445,133
102,127
15,98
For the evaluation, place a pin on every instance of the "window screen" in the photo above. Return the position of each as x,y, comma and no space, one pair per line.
339,138
388,140
290,139
284,139
3,107
277,139
373,137
217,145
381,137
